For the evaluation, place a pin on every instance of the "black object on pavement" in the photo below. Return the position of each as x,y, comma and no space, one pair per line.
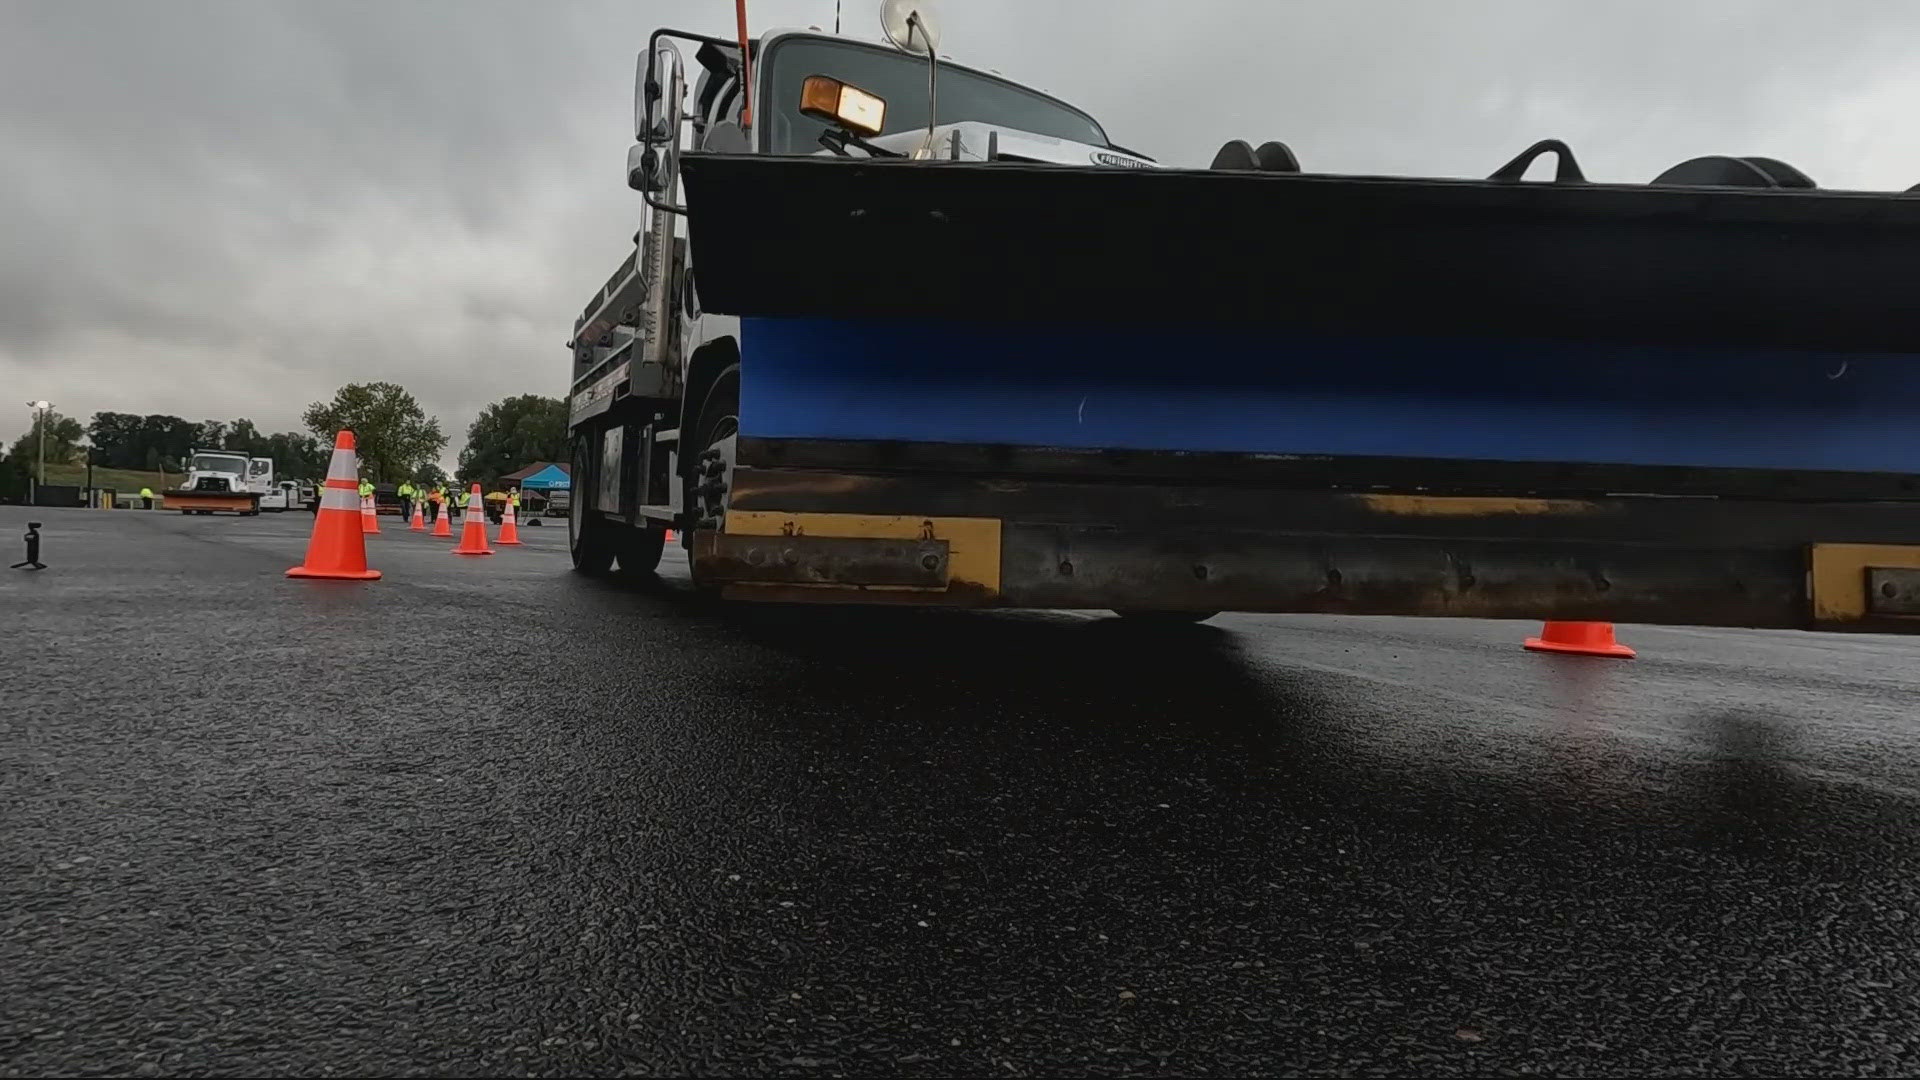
33,550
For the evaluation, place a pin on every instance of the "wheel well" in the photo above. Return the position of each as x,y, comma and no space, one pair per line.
703,369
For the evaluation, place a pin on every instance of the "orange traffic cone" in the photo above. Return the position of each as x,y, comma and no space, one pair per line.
369,518
669,536
443,518
473,535
509,528
419,516
338,548
1581,638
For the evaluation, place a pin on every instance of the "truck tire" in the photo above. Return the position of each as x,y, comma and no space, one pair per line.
640,549
714,437
711,476
590,540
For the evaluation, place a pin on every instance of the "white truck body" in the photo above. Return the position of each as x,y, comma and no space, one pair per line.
221,470
284,495
216,477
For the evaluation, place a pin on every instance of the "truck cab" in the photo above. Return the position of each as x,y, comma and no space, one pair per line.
655,388
223,480
217,470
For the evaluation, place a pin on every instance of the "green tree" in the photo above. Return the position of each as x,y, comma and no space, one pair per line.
165,442
243,436
116,440
514,432
295,456
431,475
63,440
395,436
13,479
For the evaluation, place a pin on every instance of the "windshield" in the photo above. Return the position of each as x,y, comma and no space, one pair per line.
901,79
219,463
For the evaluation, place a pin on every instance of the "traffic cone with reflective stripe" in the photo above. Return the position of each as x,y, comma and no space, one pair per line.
338,548
509,528
369,517
670,536
443,518
1579,638
473,535
419,516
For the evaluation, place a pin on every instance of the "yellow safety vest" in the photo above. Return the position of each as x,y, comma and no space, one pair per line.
146,493
366,489
466,499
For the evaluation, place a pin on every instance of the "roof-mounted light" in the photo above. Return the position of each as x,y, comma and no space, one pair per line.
825,98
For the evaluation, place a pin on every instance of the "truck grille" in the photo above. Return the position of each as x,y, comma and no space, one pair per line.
212,483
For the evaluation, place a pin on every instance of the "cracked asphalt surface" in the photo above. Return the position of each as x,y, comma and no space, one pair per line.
486,817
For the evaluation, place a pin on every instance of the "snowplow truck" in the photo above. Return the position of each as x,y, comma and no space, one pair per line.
221,481
899,331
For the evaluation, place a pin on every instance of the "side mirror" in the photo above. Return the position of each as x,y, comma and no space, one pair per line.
659,107
645,93
639,167
658,91
647,169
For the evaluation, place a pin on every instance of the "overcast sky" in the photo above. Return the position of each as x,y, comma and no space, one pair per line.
230,209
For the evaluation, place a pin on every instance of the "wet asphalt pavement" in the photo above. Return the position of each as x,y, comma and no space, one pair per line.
486,817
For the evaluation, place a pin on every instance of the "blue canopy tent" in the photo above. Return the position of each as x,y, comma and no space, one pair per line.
551,478
539,480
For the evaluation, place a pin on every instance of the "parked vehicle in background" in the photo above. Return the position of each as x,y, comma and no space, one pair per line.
284,495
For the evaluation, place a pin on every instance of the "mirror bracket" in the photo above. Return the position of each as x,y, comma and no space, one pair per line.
661,112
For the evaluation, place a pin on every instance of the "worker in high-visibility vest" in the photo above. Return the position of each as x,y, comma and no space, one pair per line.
434,499
466,503
513,500
146,497
406,498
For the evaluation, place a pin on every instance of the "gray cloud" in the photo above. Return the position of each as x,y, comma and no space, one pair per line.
220,209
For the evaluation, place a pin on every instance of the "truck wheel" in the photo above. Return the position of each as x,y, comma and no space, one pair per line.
640,550
1165,618
711,476
713,449
589,539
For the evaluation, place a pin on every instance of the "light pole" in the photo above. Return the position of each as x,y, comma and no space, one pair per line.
40,420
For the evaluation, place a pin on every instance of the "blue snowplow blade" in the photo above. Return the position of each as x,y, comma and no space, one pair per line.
1316,316
1233,390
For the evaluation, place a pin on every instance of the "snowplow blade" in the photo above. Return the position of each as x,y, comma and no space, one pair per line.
209,502
1204,391
1430,321
1770,268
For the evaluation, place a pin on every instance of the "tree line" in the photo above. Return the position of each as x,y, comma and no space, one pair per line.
158,441
397,440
